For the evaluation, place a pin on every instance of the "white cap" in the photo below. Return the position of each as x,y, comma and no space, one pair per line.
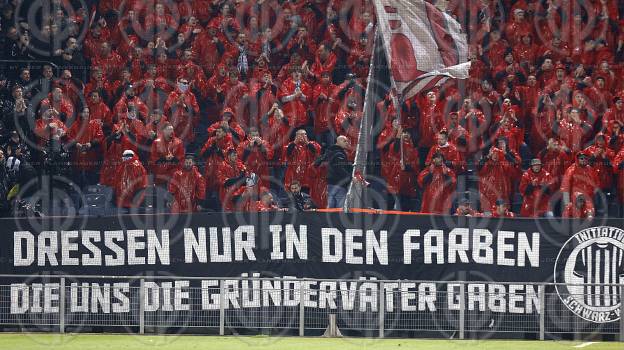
128,153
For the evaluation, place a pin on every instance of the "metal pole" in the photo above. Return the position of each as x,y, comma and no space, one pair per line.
542,310
62,306
462,311
142,307
301,310
221,307
382,309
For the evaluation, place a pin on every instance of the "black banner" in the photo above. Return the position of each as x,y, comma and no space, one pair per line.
313,245
502,260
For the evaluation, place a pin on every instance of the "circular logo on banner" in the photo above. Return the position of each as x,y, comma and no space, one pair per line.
587,263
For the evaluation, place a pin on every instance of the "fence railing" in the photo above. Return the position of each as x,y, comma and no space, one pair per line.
452,309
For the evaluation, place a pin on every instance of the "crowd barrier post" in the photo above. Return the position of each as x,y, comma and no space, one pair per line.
301,310
542,310
62,306
142,303
462,311
222,307
382,308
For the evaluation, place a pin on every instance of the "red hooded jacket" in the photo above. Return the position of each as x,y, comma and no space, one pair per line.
130,179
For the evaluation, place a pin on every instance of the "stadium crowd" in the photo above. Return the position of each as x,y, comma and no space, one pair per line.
256,105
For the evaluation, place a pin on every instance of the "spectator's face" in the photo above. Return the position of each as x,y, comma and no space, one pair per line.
343,142
600,83
168,132
25,75
296,75
619,104
600,141
325,79
18,93
57,94
582,160
188,163
301,136
232,157
85,114
495,156
501,209
12,34
536,168
560,73
254,134
437,161
467,103
526,40
220,133
442,139
105,49
431,96
47,72
95,97
580,201
295,188
531,81
267,199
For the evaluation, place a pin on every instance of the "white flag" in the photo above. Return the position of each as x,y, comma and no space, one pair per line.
424,46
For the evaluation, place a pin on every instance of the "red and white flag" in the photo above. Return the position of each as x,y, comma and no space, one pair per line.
424,46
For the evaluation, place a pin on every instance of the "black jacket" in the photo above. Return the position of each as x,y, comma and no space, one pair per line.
301,202
339,168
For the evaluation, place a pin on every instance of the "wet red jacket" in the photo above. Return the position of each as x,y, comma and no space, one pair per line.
324,109
102,112
318,186
187,187
83,133
183,112
496,180
295,109
206,51
572,134
602,158
130,179
263,99
541,129
438,185
298,158
230,178
430,123
319,67
536,189
571,211
400,173
213,152
256,158
583,179
451,156
162,168
44,128
232,96
113,149
237,132
618,170
121,107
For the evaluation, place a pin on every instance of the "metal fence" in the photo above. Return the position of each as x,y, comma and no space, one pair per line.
368,307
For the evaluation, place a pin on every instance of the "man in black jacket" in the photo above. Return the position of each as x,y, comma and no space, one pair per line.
297,200
339,171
